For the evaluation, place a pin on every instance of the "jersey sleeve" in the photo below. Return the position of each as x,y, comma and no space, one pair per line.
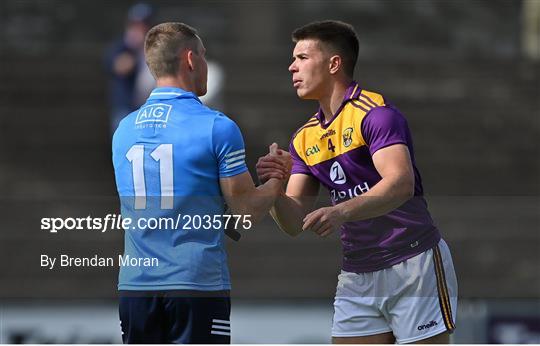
298,166
384,126
229,148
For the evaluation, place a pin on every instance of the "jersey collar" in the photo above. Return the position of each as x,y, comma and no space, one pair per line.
167,93
352,92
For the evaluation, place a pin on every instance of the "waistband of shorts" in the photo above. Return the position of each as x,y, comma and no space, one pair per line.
176,294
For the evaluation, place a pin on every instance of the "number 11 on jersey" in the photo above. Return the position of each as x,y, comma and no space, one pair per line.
164,155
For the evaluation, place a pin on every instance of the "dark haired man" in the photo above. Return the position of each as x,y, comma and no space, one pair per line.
397,281
176,159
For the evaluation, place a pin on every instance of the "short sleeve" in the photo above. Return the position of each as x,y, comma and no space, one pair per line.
384,126
228,147
298,166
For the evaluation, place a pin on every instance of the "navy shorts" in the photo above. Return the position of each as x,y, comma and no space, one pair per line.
178,317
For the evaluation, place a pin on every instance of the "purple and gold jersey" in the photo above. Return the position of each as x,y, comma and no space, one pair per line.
338,154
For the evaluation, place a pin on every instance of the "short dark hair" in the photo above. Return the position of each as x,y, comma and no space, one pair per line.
163,43
335,34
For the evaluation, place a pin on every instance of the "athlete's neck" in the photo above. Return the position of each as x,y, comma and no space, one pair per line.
331,102
174,82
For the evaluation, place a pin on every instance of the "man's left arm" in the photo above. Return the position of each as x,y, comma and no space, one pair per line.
395,188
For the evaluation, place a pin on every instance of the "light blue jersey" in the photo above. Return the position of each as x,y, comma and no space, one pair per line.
168,157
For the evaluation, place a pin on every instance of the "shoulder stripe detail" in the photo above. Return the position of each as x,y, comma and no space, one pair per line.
312,120
365,104
236,158
357,91
304,127
369,100
236,164
234,153
354,91
361,106
308,125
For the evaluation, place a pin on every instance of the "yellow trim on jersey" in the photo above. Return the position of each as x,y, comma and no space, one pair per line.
315,144
354,90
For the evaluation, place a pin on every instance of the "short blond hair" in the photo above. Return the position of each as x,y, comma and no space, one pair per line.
163,44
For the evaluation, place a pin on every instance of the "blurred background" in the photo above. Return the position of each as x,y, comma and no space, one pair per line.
466,74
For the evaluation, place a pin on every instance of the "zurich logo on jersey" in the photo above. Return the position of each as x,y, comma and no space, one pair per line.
337,175
155,112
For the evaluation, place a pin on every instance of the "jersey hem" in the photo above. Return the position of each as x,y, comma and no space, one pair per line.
400,257
386,145
233,173
302,172
173,287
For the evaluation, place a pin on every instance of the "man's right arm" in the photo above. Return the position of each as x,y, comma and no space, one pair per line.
292,206
244,198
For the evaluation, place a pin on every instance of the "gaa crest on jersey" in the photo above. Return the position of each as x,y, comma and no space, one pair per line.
157,112
347,136
313,150
337,175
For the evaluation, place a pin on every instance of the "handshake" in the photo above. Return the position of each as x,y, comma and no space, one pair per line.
276,164
323,221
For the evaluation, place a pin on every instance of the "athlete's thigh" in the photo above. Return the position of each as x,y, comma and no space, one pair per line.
384,338
443,338
357,308
212,321
199,320
426,305
141,318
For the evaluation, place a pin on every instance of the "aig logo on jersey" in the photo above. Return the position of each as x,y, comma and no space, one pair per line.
347,136
337,175
154,113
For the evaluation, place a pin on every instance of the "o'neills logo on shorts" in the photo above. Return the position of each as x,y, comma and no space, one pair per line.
427,326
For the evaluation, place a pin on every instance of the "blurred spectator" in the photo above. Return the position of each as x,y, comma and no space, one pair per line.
130,80
531,29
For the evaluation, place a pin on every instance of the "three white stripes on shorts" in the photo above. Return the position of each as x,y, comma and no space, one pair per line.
221,327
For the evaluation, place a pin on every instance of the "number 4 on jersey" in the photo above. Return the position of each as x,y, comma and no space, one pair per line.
331,146
164,155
